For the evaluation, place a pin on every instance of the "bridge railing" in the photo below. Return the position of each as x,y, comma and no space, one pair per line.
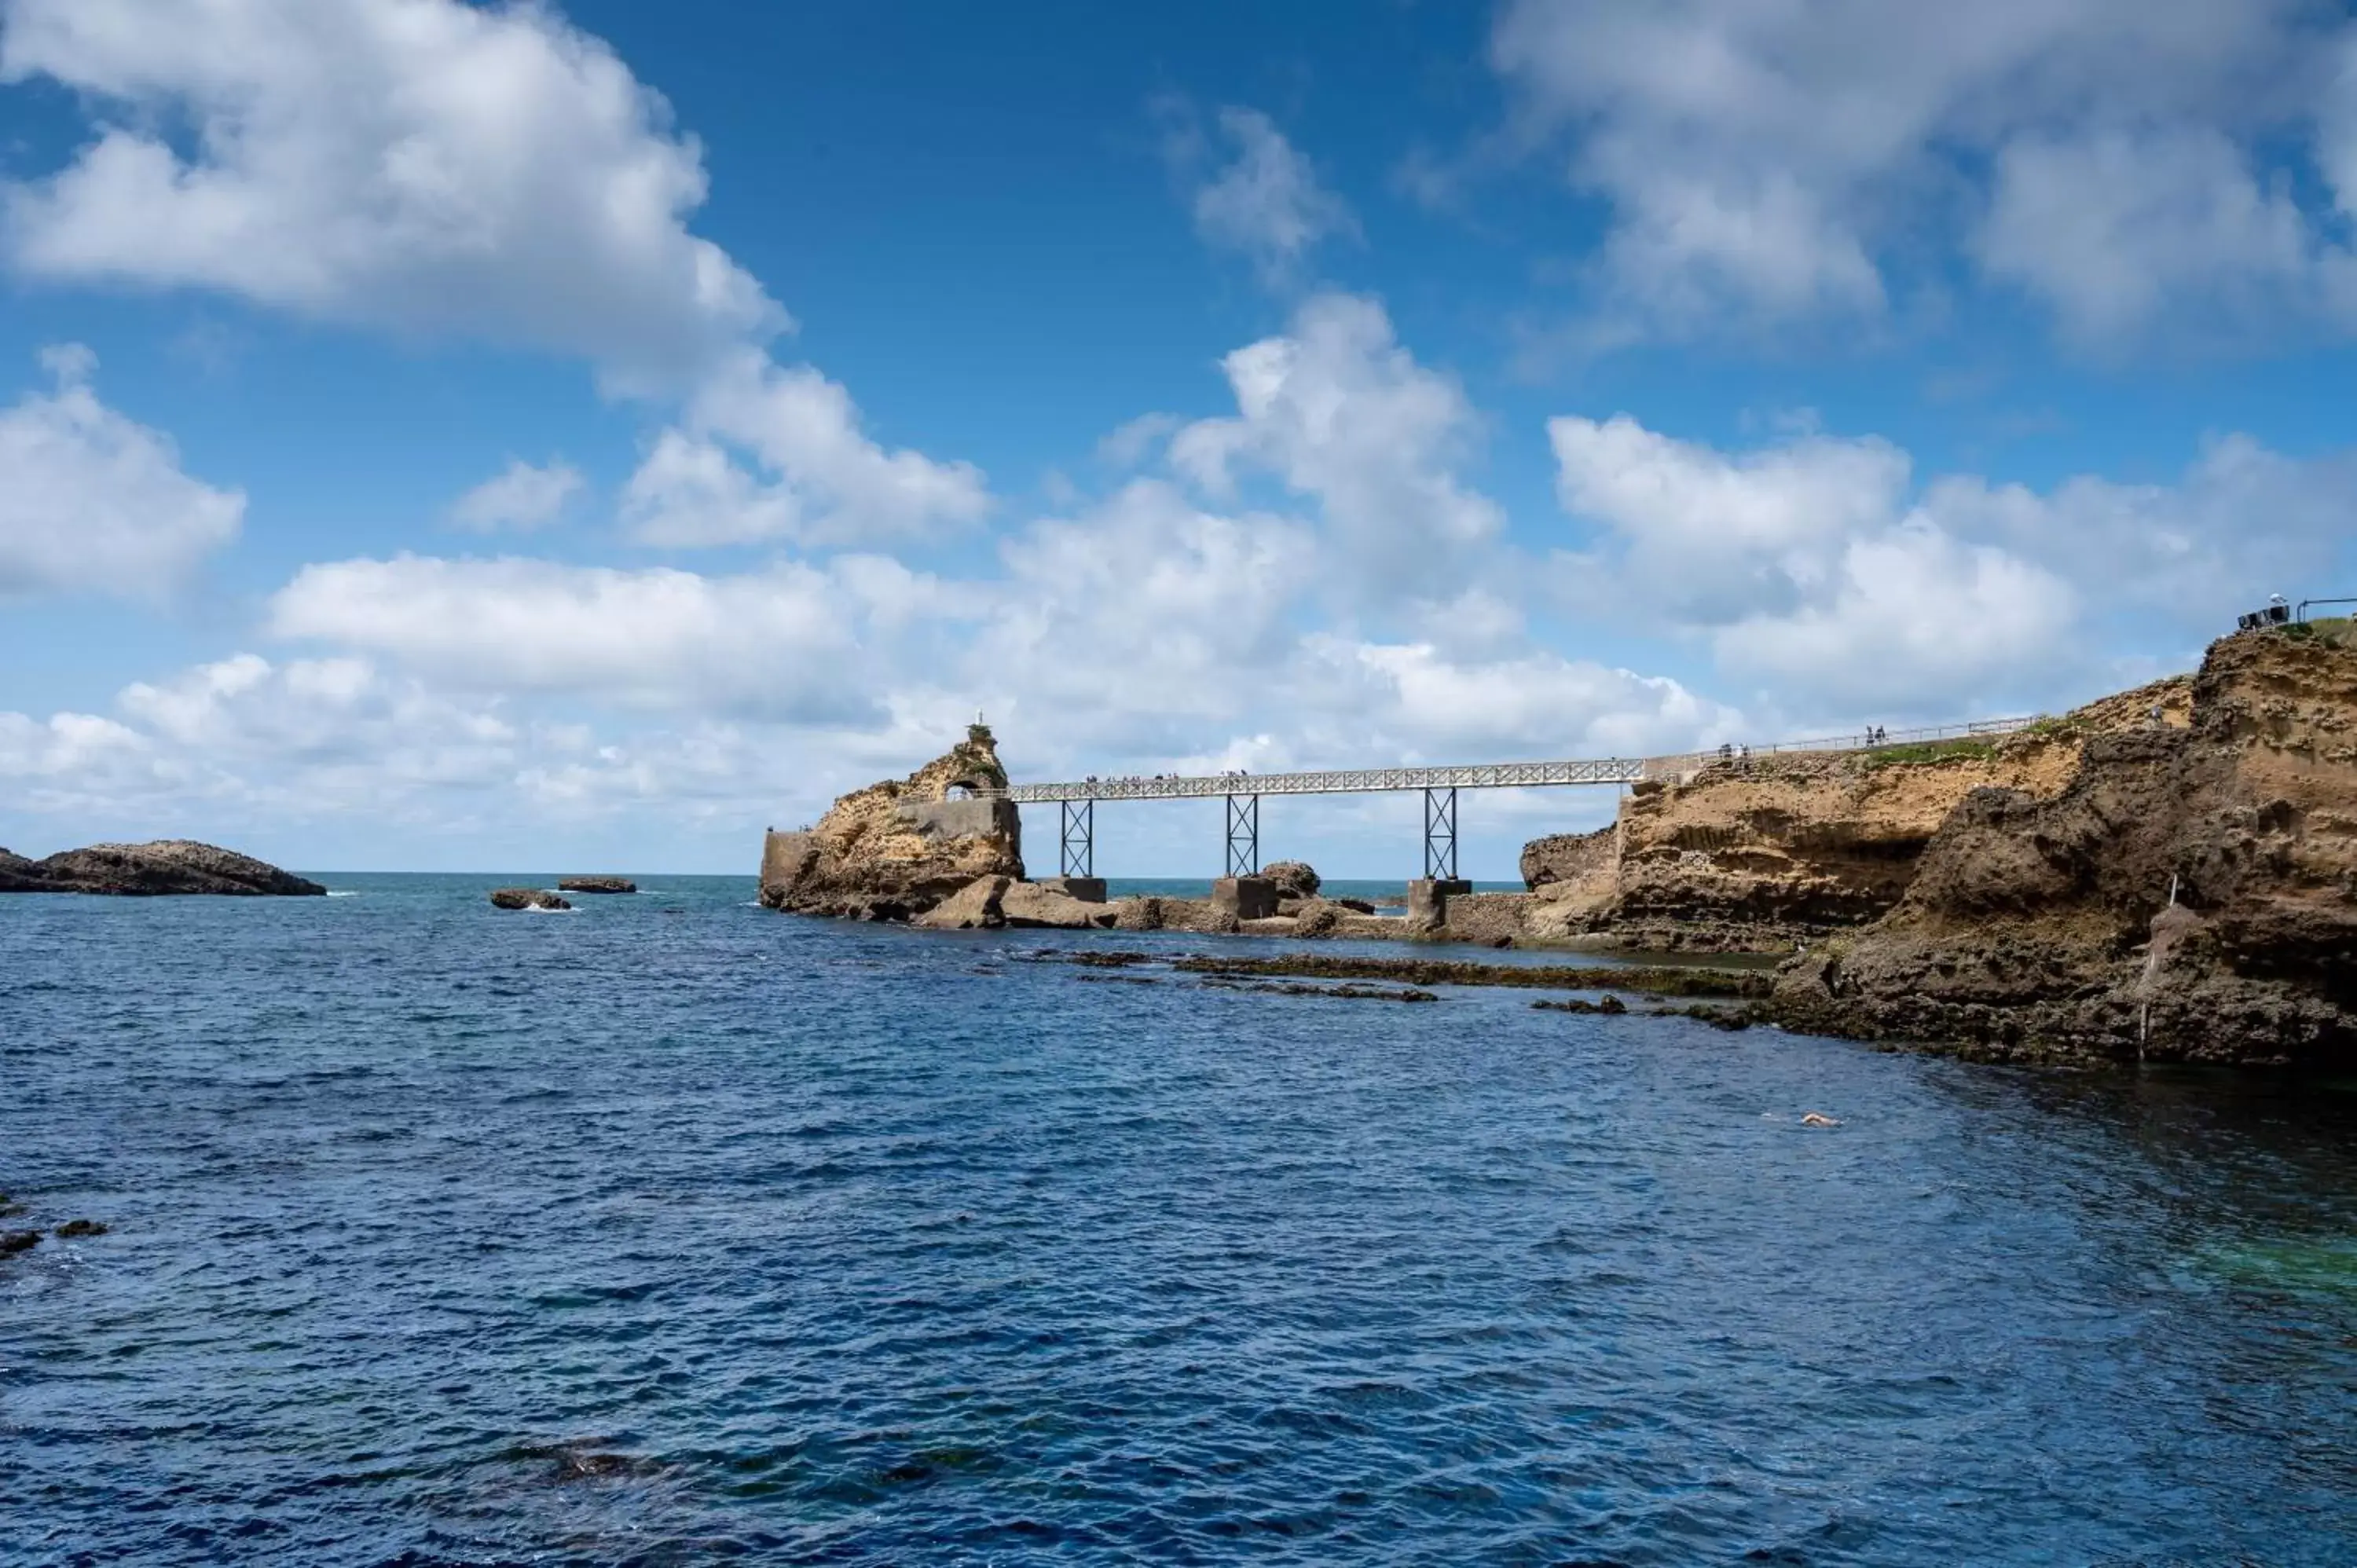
1661,767
1480,775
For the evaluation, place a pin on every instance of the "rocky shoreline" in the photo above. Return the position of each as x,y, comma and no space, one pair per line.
165,868
2167,873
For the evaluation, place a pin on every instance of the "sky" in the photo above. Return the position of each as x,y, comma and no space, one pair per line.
444,436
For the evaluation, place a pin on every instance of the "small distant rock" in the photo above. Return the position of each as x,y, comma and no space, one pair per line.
12,1241
598,885
73,1227
526,898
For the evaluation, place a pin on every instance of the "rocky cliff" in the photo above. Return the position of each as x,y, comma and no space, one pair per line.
1762,854
164,866
2190,894
896,849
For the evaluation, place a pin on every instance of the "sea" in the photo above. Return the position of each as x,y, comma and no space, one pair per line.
671,1231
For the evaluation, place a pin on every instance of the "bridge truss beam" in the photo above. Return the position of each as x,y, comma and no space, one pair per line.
1079,836
1243,836
1440,836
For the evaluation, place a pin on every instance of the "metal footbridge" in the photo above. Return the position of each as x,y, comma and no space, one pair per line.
1076,800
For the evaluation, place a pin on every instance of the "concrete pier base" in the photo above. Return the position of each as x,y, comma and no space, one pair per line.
1427,901
1087,889
1245,897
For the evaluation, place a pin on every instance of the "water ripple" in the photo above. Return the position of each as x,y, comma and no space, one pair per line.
680,1233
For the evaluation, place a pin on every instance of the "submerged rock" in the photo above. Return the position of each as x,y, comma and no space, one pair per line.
18,1242
165,866
526,898
74,1228
899,848
596,885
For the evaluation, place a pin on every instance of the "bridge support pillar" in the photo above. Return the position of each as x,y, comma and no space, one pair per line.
1243,836
1428,902
1079,838
1440,836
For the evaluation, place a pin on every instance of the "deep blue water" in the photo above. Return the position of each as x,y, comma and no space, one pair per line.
671,1231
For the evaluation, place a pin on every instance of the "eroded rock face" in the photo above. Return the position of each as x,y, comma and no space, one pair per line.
1765,853
2045,929
165,866
896,849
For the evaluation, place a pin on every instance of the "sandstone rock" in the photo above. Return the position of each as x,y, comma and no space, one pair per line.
1028,904
974,907
1498,919
164,866
1146,914
1762,854
1245,897
526,898
1566,859
2179,899
596,885
1291,878
898,848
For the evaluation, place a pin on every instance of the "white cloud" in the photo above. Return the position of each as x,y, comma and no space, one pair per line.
519,496
93,502
2117,228
1537,705
1910,620
421,166
1766,161
1714,537
832,486
1817,580
1265,201
1337,411
777,643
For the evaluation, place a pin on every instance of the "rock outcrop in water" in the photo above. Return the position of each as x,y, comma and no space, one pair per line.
165,866
896,849
526,898
596,885
2190,894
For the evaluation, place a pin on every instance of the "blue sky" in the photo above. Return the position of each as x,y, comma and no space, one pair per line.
438,437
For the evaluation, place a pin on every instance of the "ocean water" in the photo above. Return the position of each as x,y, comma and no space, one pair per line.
674,1231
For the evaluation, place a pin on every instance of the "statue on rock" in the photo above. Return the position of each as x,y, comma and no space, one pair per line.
896,849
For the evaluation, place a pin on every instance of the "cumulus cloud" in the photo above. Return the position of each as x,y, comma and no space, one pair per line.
421,166
1335,411
95,503
519,496
1769,162
832,484
777,643
1260,197
2116,228
1816,572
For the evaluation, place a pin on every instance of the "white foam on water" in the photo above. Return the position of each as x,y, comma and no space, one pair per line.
343,892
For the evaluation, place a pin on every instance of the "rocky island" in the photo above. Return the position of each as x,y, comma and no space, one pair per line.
2169,873
144,870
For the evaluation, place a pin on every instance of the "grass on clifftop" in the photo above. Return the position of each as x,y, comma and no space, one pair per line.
2339,630
1962,750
